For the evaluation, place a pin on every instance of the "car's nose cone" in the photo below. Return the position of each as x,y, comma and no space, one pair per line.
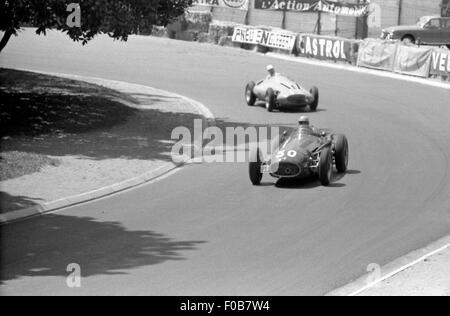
285,169
297,98
290,166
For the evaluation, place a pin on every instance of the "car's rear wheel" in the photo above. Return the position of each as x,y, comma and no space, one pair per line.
326,167
250,96
341,153
270,100
315,93
255,167
408,39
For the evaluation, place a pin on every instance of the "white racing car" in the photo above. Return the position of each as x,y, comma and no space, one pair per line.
280,92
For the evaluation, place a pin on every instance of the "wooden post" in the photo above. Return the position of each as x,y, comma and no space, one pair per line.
365,19
336,26
247,18
400,5
362,27
283,22
319,23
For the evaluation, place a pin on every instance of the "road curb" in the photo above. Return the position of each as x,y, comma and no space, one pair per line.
10,217
390,270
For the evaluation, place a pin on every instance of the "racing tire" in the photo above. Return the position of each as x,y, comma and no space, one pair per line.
315,92
255,167
270,100
341,154
250,97
326,167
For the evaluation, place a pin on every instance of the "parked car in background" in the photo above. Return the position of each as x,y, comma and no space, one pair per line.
430,30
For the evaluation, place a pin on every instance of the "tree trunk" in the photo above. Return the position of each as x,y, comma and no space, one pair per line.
5,40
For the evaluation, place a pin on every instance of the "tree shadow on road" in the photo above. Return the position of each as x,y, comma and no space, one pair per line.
45,246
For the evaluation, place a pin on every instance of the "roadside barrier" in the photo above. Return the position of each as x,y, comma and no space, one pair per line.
392,56
377,54
328,48
413,60
220,31
440,63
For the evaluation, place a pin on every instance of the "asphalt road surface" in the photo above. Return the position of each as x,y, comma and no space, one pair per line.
206,230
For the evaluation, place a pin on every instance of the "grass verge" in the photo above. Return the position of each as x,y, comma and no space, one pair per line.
36,108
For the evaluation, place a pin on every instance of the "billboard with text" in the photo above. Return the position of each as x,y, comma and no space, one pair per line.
231,4
269,38
328,6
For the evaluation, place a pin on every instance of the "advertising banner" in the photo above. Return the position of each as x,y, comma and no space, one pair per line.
440,62
377,54
270,38
413,60
328,6
232,4
325,47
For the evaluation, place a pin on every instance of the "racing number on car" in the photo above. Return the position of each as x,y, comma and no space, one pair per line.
292,153
282,154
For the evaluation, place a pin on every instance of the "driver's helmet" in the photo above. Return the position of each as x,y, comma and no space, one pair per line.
303,122
304,127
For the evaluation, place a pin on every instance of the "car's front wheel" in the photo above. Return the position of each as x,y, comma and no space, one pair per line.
326,167
255,167
250,96
270,100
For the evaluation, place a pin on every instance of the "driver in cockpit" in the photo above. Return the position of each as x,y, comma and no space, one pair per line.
305,127
272,73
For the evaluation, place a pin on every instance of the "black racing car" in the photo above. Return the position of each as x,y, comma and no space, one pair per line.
302,154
